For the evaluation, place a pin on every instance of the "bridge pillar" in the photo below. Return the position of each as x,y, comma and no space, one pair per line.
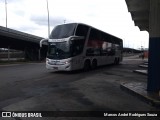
8,53
31,54
39,54
154,47
43,52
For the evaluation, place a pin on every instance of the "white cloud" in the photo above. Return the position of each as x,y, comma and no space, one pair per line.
108,15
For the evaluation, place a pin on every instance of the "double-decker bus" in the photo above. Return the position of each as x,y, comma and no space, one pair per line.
76,46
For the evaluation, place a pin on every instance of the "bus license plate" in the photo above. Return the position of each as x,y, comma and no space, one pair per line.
56,68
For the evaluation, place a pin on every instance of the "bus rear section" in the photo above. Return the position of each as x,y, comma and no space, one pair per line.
103,48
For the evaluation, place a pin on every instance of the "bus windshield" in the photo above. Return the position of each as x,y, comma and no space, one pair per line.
58,50
63,50
63,31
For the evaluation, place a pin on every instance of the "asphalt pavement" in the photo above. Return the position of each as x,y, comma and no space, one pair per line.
30,87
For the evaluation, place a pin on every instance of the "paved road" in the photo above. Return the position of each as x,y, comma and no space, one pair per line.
30,87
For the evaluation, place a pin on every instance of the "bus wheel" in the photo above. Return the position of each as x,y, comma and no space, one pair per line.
116,61
86,66
94,64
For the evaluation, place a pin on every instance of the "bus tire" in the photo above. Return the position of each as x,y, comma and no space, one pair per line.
116,61
94,64
87,65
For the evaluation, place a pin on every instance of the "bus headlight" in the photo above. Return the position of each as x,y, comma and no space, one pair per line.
47,60
67,62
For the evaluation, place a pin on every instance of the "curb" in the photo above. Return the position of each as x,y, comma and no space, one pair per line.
143,72
144,97
143,66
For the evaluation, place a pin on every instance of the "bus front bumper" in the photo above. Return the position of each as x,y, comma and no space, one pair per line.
65,67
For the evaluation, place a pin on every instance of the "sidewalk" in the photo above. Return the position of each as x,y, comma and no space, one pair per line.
139,89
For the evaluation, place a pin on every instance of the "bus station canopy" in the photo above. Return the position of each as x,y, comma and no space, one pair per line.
139,10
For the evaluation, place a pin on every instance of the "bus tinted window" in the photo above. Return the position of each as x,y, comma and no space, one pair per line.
63,31
82,30
77,47
95,35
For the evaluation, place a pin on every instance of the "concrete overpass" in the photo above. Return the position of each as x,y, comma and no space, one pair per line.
17,40
145,14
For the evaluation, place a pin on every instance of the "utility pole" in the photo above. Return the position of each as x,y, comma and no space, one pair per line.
48,19
6,28
39,51
64,21
6,11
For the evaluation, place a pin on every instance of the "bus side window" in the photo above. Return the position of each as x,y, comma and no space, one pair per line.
82,30
90,52
77,47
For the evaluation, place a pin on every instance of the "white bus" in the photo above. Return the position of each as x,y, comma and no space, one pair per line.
76,46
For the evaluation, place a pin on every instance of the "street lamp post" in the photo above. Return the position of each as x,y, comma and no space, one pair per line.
142,52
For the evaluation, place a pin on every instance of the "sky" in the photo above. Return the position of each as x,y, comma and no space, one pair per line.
110,16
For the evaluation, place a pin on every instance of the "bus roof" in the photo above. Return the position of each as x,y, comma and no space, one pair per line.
93,28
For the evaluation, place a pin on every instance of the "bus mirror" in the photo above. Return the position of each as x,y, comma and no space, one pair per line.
81,37
70,42
41,42
77,37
